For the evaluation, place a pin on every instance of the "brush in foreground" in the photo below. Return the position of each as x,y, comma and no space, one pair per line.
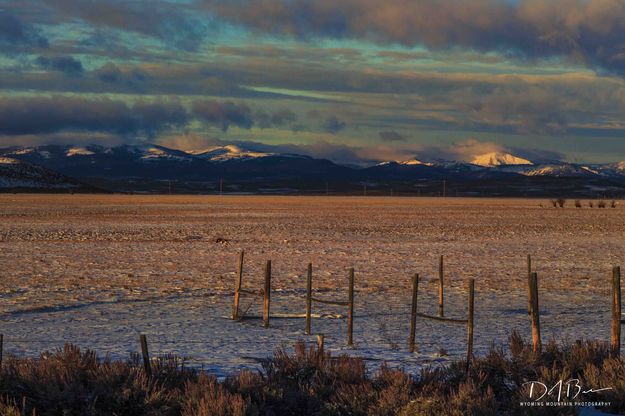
306,382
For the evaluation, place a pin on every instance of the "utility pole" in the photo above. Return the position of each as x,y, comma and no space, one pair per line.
327,189
221,186
444,188
169,186
365,190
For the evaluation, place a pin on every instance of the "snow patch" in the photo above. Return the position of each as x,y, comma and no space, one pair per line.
78,151
227,152
8,161
499,159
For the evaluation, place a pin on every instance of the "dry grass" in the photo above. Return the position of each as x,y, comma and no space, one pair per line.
132,244
75,382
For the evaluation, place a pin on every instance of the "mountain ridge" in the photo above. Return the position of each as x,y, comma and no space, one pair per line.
152,168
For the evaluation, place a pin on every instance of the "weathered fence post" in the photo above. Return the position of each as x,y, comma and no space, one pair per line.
529,284
146,356
535,313
237,288
1,349
308,297
616,311
350,310
413,313
441,277
267,294
470,322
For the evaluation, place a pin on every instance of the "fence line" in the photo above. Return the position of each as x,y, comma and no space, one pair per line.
533,310
532,301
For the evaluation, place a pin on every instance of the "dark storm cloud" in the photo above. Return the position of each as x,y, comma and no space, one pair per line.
279,118
11,29
14,34
65,64
333,125
223,114
39,115
590,31
391,136
175,24
109,72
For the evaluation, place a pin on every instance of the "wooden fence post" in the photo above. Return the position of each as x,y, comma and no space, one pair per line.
441,277
413,313
535,313
267,294
616,311
308,298
470,322
146,356
1,349
237,288
529,284
350,310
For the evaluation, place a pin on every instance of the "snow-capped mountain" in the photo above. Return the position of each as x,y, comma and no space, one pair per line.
146,167
410,162
148,162
560,170
227,152
499,159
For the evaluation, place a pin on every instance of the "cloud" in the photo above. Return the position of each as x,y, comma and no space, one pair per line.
587,31
468,149
14,33
65,64
66,138
223,114
333,125
109,73
11,29
176,25
391,136
279,118
46,115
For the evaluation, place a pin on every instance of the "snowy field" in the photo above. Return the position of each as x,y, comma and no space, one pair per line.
99,270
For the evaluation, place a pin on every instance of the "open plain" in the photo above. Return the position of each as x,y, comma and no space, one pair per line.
98,270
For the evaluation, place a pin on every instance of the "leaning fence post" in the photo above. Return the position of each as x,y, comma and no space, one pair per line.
441,277
267,294
413,313
529,284
470,322
535,313
146,356
308,297
237,288
616,311
350,310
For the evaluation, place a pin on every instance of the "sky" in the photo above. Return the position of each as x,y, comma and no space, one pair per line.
355,81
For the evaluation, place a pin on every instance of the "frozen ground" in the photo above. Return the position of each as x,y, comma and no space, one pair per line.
98,270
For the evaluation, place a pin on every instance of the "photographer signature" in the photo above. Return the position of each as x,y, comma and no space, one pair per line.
568,390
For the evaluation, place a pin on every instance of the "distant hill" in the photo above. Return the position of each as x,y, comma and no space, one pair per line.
232,168
16,175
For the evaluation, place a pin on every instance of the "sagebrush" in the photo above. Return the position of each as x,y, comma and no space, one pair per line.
71,381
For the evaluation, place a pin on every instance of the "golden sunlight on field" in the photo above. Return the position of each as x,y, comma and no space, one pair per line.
60,250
